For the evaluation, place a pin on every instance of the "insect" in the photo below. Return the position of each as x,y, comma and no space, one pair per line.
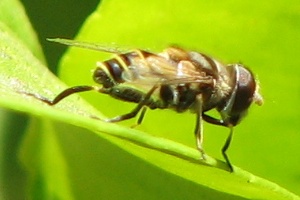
174,79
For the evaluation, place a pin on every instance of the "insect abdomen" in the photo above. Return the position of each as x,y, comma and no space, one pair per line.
110,72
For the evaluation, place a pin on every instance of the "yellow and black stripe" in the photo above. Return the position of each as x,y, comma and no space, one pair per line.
109,73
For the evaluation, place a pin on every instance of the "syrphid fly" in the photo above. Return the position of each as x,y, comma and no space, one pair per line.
174,79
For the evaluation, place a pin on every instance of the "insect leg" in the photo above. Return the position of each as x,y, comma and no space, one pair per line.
62,95
141,117
199,126
214,121
225,147
220,122
136,110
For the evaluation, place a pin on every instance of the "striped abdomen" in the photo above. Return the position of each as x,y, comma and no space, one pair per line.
110,73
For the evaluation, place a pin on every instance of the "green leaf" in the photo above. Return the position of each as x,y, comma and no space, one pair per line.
12,176
20,25
70,155
262,36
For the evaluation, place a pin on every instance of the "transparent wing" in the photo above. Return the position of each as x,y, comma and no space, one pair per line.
157,69
109,48
154,69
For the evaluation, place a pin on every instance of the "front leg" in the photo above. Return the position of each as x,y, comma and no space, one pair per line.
213,120
220,122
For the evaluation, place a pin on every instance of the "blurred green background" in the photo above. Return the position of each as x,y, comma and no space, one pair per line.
50,18
54,18
276,64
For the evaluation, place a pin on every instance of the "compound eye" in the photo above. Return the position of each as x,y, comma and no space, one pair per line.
245,90
242,95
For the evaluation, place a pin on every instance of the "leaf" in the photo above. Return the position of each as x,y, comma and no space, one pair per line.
20,24
262,36
91,161
12,176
